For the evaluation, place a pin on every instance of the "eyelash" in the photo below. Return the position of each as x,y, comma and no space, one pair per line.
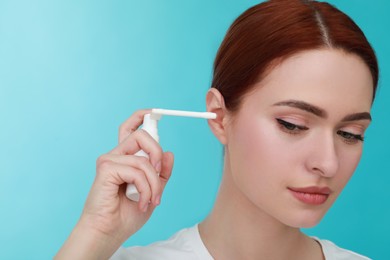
350,138
290,127
294,129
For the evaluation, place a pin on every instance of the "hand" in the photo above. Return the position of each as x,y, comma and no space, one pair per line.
109,217
107,208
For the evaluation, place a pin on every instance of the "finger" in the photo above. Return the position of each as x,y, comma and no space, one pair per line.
140,163
138,178
119,174
141,140
132,124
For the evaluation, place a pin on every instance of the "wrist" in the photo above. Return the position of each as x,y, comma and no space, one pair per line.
87,242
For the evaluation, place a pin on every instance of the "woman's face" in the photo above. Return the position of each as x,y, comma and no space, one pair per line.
296,139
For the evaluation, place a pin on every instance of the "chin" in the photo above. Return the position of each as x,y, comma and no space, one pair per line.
309,224
308,220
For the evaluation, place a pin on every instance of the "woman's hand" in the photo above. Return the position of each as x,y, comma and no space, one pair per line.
108,214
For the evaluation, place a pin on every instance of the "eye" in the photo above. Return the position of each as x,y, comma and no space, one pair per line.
290,127
350,138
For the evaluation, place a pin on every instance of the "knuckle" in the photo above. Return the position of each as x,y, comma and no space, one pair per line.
101,160
143,189
139,176
142,160
104,166
146,192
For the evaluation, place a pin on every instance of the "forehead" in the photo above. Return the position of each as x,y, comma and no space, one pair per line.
328,78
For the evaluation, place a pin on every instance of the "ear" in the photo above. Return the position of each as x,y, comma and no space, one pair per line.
215,103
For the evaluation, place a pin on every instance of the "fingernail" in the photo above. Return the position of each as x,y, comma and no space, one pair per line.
158,166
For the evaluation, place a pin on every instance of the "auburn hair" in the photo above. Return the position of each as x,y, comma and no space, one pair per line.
274,30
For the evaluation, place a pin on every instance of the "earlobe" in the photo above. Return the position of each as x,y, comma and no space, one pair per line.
215,103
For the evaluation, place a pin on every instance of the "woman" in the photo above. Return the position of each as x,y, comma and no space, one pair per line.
293,86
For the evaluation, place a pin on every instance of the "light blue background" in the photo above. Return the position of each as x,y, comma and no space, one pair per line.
72,71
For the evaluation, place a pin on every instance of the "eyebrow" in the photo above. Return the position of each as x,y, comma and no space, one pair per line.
357,116
320,112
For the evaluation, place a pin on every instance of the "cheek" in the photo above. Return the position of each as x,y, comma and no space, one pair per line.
258,153
349,160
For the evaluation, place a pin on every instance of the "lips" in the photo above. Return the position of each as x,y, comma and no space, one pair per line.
311,195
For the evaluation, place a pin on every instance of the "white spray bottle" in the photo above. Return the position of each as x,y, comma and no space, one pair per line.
150,126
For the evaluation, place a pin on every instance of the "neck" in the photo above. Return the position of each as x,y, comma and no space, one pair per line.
237,229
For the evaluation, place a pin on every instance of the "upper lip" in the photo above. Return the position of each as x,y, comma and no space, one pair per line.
313,190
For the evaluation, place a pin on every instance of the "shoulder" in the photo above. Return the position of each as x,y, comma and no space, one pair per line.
333,252
185,244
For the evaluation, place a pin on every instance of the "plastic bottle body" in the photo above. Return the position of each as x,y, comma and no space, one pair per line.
150,126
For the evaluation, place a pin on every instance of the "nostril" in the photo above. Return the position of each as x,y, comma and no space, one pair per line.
318,170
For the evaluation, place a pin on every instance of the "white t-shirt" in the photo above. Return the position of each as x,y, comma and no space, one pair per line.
187,244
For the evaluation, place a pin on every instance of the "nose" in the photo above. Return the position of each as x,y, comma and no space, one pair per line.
323,158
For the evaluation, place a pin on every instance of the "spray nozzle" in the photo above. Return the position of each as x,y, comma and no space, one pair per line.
157,113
